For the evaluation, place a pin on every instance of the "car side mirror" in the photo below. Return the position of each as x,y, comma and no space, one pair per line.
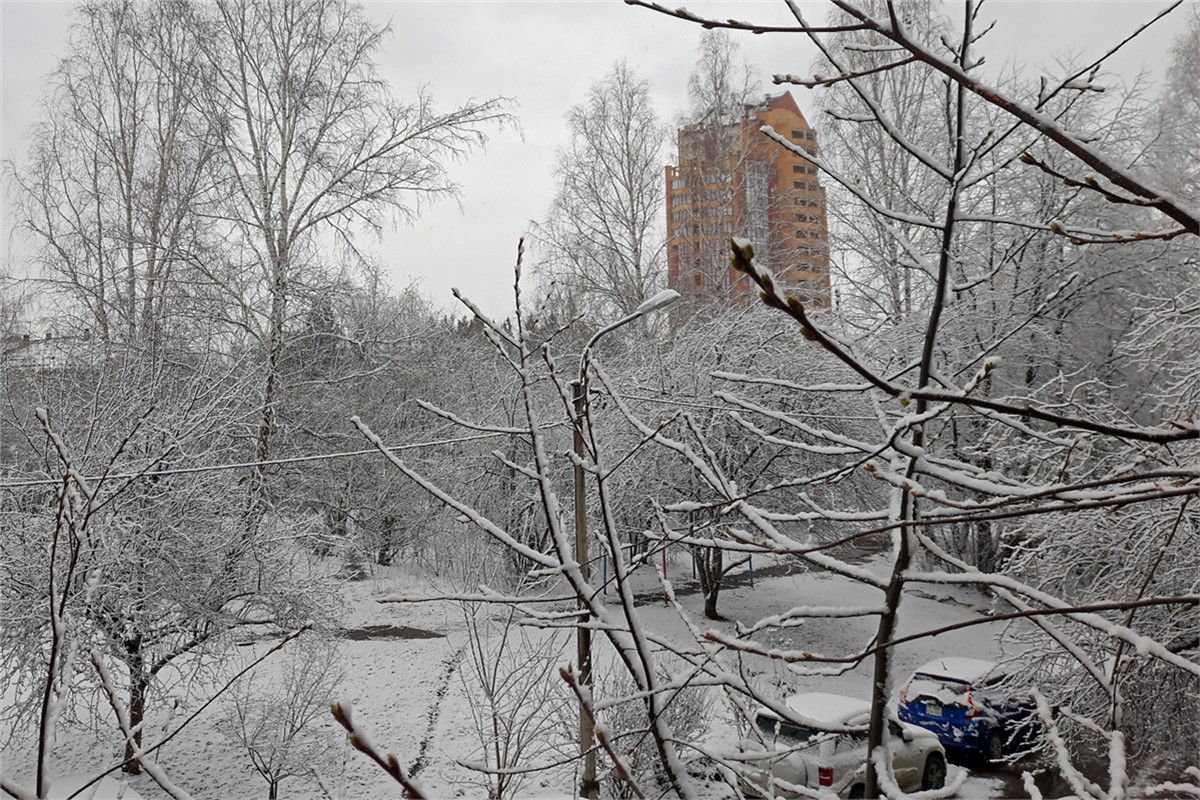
906,734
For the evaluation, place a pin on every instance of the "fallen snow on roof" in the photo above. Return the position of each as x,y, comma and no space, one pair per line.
967,670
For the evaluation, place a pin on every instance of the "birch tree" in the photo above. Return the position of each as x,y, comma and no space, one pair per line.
721,82
720,88
118,172
312,143
1176,143
603,238
879,280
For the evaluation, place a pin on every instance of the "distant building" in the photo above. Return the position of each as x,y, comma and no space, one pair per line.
21,351
733,181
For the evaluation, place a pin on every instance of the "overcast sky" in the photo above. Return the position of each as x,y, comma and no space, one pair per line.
544,55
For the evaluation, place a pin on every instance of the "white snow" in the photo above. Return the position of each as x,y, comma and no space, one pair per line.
966,670
400,695
938,690
108,788
829,709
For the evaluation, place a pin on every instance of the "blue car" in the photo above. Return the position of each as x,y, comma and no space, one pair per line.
970,704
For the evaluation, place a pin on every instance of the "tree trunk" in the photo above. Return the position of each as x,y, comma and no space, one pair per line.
387,542
138,688
710,568
710,602
256,501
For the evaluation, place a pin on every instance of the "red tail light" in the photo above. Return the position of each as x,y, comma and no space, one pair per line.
972,709
825,776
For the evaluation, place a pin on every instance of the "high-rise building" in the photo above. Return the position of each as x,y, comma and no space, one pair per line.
732,180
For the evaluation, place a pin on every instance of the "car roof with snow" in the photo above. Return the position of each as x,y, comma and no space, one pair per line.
964,670
826,708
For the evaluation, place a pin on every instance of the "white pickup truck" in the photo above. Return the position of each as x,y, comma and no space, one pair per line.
800,757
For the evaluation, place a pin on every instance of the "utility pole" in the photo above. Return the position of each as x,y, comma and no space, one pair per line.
589,787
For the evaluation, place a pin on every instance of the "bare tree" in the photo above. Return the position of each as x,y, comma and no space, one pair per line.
603,238
275,720
539,466
878,278
1173,152
721,82
311,140
721,87
513,705
629,735
119,168
167,573
652,478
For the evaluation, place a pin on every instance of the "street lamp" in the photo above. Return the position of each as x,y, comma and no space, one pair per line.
589,786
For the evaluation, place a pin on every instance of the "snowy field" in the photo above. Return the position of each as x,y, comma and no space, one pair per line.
410,693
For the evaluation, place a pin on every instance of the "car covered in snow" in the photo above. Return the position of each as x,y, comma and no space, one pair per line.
972,706
784,756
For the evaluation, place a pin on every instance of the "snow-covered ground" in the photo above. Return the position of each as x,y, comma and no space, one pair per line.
406,691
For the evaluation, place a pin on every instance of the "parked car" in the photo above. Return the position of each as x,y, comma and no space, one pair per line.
786,754
972,706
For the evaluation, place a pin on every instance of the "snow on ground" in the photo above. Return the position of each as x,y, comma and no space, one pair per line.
402,689
108,788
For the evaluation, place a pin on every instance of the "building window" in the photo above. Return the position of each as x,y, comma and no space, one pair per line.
678,183
797,134
797,168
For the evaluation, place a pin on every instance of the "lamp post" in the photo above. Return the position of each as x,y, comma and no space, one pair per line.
588,786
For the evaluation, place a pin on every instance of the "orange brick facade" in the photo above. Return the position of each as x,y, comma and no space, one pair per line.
733,181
